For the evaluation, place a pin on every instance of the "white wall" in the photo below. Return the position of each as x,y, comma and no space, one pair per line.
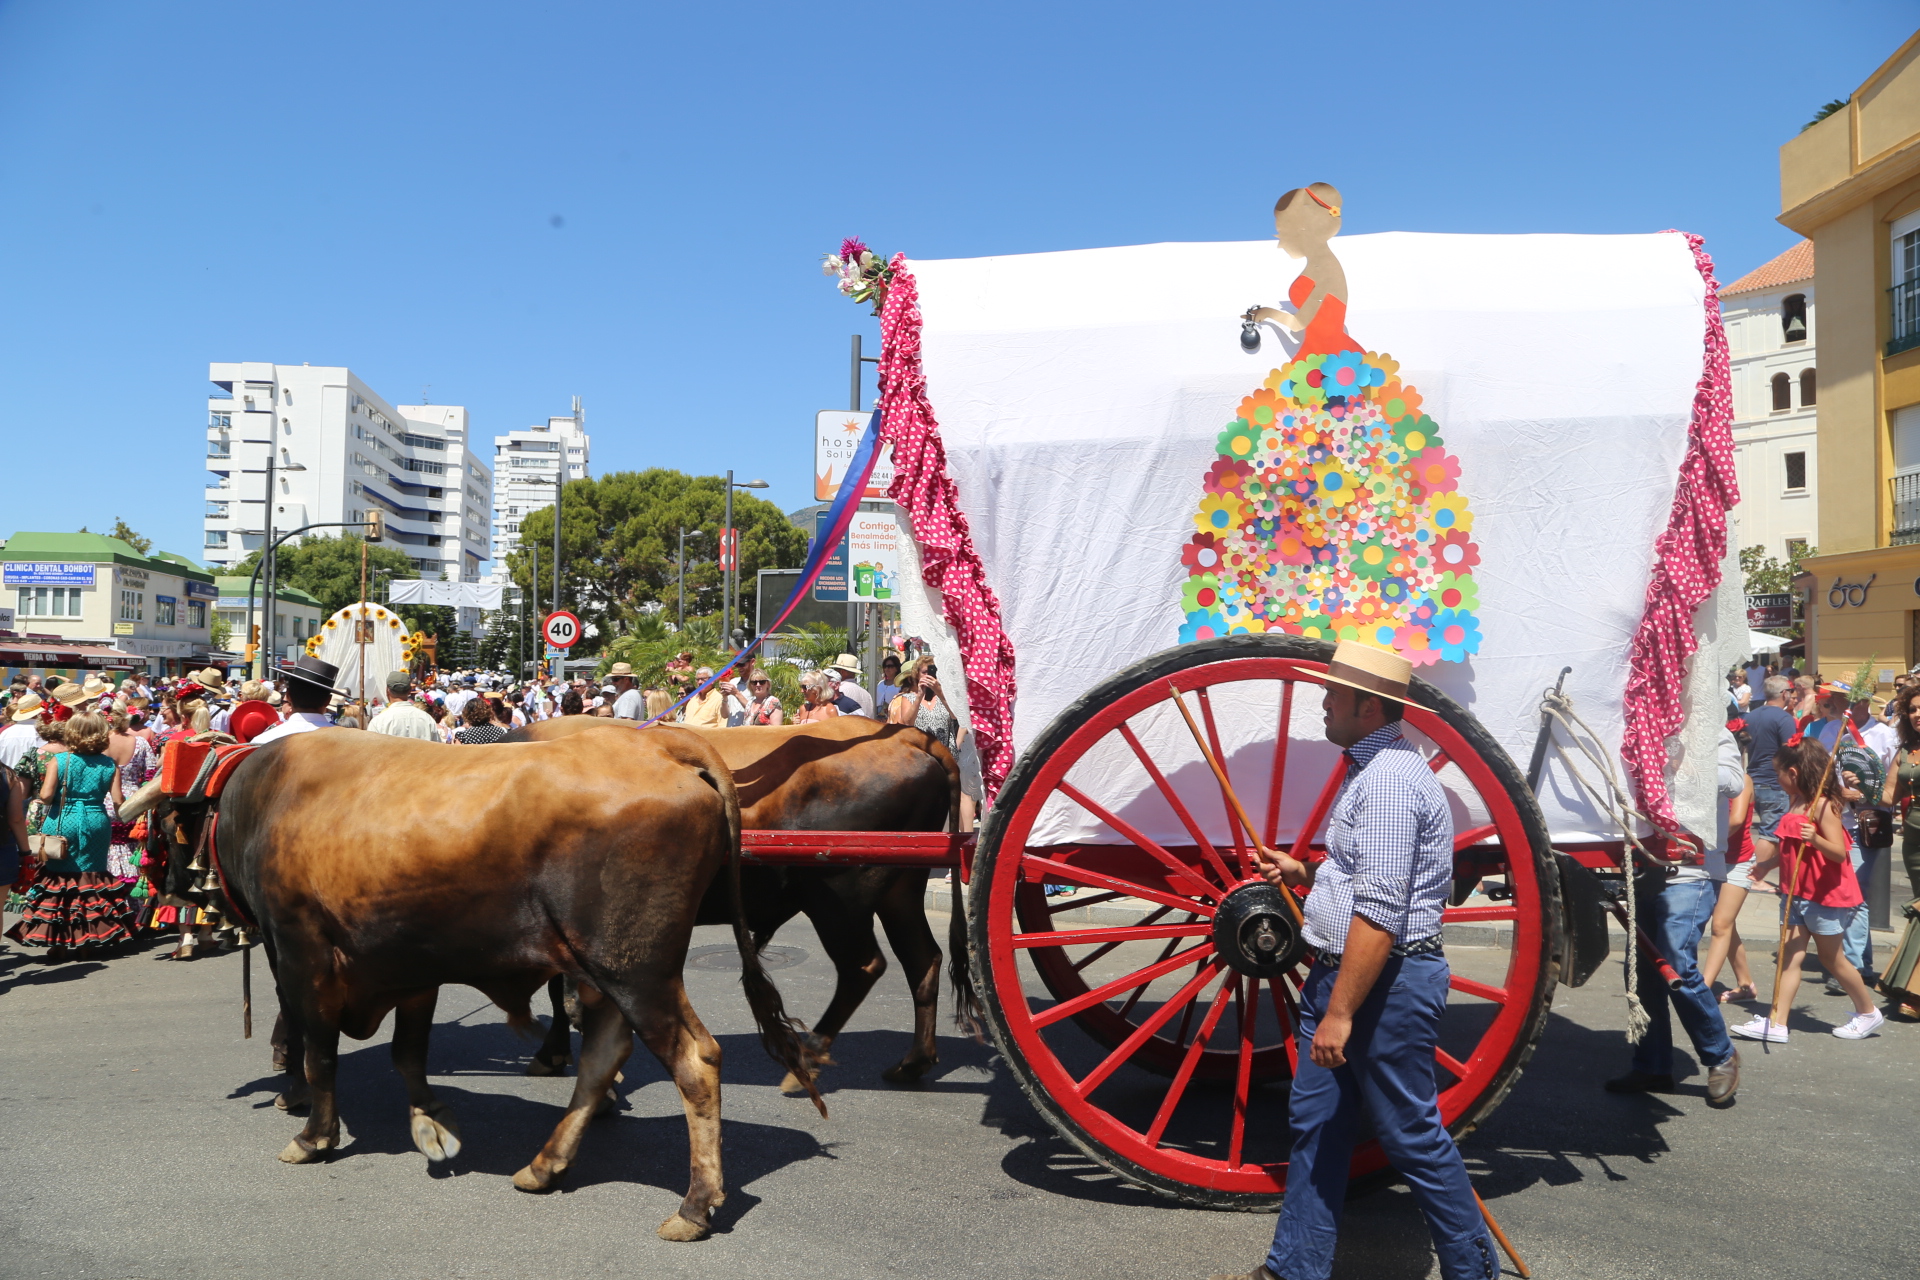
1770,513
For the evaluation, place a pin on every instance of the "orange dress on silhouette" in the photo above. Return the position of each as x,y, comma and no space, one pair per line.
1325,334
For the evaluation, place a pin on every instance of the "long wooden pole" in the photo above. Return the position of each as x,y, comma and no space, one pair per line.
1226,787
1501,1236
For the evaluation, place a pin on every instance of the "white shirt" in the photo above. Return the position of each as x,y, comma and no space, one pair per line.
1732,780
851,690
629,706
17,740
1883,740
298,722
1744,692
457,700
404,720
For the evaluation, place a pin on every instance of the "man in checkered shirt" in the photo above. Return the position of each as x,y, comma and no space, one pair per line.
1370,1010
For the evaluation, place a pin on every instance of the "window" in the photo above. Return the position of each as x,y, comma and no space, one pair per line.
221,421
217,509
1782,392
50,602
197,614
1806,389
216,538
1905,291
1796,470
1793,318
1796,549
219,449
163,607
133,606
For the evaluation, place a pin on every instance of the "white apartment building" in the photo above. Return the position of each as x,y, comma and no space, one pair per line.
341,451
1770,335
525,464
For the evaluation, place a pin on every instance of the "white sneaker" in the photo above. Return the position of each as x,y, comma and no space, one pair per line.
1862,1025
1762,1029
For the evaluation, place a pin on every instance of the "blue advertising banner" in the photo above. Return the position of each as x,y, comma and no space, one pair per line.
49,573
202,591
831,586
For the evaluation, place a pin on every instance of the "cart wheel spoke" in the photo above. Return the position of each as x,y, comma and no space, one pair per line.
1138,978
1115,934
1472,915
1282,735
1055,908
1100,951
1451,1063
1189,1061
1181,872
1468,987
1134,997
1183,998
1287,1014
1246,1007
1439,761
1051,869
1242,838
1172,798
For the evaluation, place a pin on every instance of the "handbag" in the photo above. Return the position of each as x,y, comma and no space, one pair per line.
51,848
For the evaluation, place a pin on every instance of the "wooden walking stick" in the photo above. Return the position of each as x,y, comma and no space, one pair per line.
1505,1244
1226,787
1786,892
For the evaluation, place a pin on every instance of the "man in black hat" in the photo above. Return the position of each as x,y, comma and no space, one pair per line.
309,689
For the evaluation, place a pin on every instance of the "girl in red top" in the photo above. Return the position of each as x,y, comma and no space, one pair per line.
1816,862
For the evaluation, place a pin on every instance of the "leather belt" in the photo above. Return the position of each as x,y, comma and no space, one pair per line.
1423,947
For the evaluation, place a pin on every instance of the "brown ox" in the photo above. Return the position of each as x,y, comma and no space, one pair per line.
380,868
846,774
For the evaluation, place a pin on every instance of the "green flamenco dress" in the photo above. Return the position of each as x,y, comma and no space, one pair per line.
78,902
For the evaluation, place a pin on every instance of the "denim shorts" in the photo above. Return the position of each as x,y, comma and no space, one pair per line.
1769,806
1823,921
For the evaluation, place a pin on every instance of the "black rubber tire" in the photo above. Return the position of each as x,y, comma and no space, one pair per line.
1159,667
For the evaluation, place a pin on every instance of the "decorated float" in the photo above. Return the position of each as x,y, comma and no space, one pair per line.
1143,511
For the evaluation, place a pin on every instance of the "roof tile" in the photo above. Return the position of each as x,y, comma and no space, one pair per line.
1791,267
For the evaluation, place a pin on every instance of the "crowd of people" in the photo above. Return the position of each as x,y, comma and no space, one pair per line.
72,751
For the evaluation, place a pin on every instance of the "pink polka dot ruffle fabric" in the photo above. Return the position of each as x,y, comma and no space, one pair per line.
1686,569
948,561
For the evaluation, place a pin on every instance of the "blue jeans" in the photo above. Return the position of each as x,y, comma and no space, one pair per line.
1857,944
1674,919
1389,1074
1769,806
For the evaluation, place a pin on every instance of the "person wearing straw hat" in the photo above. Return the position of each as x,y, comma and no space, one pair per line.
627,702
309,690
846,669
22,733
1371,1006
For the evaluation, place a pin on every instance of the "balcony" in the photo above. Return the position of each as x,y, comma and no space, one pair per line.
219,449
1905,300
1905,487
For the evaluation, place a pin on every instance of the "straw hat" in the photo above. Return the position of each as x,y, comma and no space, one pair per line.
620,669
71,694
847,662
95,687
1370,670
27,707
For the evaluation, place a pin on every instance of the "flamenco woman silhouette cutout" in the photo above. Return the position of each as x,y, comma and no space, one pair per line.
1333,509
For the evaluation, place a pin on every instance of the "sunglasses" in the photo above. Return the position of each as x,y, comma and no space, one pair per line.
758,682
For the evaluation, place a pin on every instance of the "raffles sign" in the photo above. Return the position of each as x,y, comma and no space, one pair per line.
1766,612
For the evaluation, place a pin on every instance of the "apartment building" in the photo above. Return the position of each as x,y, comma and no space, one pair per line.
1768,313
1850,183
525,466
338,450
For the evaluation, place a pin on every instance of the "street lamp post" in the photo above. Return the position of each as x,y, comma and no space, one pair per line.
730,577
267,545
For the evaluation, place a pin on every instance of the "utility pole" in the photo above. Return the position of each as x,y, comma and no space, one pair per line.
853,405
681,576
726,575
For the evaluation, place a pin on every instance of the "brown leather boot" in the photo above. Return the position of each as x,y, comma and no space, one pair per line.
1722,1081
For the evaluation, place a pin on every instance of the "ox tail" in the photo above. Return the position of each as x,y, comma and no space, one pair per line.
967,1013
780,1034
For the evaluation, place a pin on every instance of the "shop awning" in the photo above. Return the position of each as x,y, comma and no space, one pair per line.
16,651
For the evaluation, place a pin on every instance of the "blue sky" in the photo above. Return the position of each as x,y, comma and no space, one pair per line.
514,204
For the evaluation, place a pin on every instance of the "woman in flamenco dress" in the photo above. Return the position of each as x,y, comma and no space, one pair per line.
1332,510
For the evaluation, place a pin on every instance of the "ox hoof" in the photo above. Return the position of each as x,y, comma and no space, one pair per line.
437,1136
908,1072
683,1229
292,1104
793,1085
544,1067
607,1105
300,1151
536,1181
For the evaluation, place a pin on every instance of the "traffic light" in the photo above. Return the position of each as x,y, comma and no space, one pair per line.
376,525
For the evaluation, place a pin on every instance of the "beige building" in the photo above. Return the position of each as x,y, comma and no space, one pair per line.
1851,184
99,593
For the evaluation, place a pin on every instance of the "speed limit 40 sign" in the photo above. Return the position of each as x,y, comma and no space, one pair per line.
561,630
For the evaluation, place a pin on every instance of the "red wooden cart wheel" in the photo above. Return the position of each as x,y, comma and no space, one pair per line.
1160,1041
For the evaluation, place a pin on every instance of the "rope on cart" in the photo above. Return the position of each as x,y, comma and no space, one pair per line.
1621,811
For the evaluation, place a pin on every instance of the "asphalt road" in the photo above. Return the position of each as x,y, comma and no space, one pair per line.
137,1140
